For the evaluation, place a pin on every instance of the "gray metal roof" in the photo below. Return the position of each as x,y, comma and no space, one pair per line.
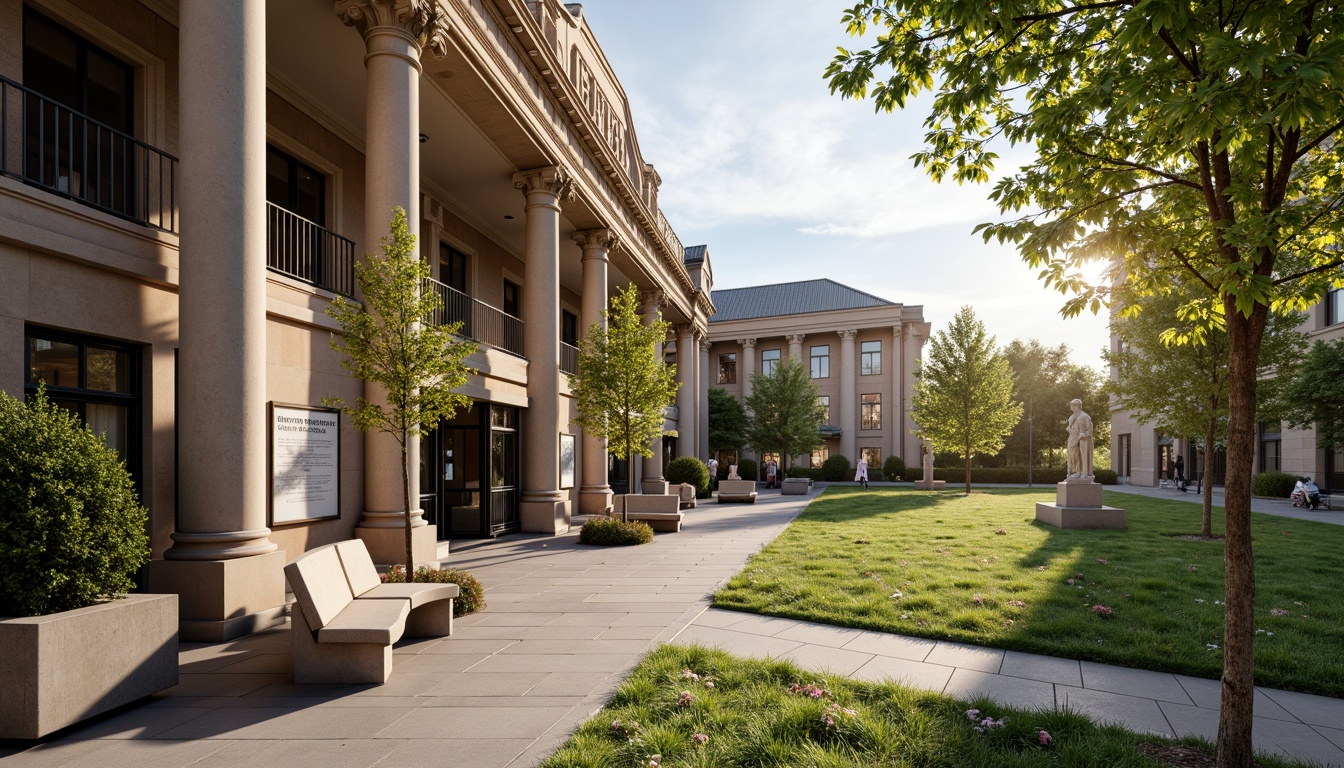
694,253
790,299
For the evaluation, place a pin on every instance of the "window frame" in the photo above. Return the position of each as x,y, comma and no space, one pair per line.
870,411
1334,307
874,465
293,166
867,358
824,401
517,299
771,362
728,365
825,359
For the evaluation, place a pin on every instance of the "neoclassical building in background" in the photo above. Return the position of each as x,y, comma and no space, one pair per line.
1142,456
862,351
184,188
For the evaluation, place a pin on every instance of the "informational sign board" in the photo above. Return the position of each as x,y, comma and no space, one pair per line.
305,463
567,461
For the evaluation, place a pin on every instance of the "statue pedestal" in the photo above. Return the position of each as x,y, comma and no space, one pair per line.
1078,505
928,483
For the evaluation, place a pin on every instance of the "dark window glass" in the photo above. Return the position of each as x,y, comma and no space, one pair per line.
769,361
870,358
453,268
512,298
871,415
569,328
1334,307
71,71
107,370
54,363
821,362
296,187
93,379
728,368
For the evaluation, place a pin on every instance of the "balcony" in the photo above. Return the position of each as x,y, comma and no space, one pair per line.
569,358
50,146
480,322
309,252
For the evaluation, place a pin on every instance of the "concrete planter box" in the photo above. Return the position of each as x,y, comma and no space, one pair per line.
66,667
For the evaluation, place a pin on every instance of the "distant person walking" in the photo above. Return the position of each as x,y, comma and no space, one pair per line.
713,466
1179,467
771,469
861,472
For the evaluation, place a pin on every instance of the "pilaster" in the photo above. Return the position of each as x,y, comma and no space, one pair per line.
687,417
796,345
702,400
594,492
650,308
849,422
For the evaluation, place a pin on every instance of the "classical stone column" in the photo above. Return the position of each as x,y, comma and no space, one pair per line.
849,421
650,302
748,366
687,417
594,492
544,508
897,406
395,33
796,345
222,562
702,399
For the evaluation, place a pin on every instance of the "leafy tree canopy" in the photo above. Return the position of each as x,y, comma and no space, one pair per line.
963,397
785,414
1044,381
1315,393
622,387
727,422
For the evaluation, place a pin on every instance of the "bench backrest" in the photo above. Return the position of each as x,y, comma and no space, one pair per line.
360,572
736,487
319,584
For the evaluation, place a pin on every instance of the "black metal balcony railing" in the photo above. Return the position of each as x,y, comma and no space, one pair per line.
480,321
302,249
48,145
569,358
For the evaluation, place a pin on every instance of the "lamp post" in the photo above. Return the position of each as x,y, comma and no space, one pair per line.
1029,451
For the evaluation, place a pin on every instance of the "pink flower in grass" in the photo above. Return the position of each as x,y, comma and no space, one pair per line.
684,700
1103,611
1045,738
1002,532
699,739
1103,562
1278,611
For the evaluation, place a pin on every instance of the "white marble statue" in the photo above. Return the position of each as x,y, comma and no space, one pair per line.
1080,441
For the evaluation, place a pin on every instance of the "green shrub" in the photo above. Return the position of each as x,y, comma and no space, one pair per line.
893,469
72,531
746,469
470,593
689,469
1278,485
1017,475
811,473
835,469
614,532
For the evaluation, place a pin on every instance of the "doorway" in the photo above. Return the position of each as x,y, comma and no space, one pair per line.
468,473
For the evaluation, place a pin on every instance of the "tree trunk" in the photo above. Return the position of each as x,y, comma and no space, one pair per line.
968,470
1209,436
406,499
1238,692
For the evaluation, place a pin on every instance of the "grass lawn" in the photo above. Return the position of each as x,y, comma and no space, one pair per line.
751,718
979,569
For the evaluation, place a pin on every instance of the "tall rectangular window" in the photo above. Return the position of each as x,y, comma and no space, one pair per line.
870,411
1334,307
1271,453
769,361
296,187
870,358
569,328
453,267
512,299
1122,461
824,402
874,457
728,368
821,362
819,457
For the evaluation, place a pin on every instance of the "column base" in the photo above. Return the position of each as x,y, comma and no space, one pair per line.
1110,518
654,487
222,600
594,500
544,513
387,546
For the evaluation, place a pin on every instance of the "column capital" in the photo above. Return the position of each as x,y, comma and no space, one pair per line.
847,335
747,343
651,301
596,241
685,330
796,338
421,20
553,179
898,331
705,343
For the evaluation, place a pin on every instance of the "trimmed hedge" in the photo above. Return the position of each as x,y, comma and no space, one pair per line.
689,469
470,593
72,531
893,469
836,469
1039,475
812,473
614,532
746,469
1274,484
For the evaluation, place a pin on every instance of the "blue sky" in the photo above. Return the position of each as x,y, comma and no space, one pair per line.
786,182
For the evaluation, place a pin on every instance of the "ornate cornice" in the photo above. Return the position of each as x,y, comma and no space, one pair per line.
553,179
423,20
604,239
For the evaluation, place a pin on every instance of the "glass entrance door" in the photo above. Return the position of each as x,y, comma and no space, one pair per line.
469,473
503,470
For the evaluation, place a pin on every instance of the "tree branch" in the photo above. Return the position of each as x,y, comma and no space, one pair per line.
1316,142
1191,66
1140,167
1312,271
1069,11
1191,269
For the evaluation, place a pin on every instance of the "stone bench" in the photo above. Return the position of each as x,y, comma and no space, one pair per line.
345,619
737,490
687,493
795,486
661,511
930,485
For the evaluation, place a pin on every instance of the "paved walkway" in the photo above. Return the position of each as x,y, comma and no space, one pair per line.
564,625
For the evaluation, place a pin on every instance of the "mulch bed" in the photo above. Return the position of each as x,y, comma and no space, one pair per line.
1178,756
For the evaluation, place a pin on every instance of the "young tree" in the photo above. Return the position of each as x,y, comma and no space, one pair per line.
1181,390
623,387
963,397
1171,138
785,414
386,340
727,422
1044,381
1315,393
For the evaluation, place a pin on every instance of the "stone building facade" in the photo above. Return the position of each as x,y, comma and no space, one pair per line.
1142,456
862,351
184,187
